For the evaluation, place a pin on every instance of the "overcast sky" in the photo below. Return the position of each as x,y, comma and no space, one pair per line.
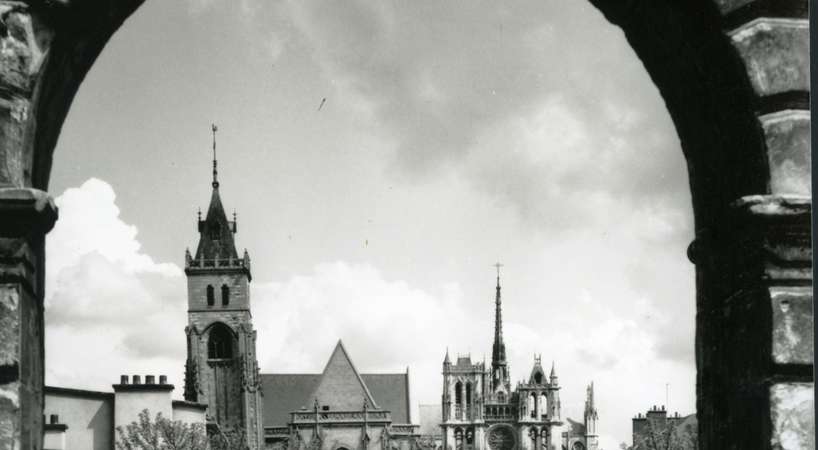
454,134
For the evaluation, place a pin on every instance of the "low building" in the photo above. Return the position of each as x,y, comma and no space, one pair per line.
87,420
656,430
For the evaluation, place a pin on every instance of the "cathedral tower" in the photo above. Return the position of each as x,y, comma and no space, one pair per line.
221,369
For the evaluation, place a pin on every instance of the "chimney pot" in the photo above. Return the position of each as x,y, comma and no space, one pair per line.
137,379
163,379
55,419
123,379
150,379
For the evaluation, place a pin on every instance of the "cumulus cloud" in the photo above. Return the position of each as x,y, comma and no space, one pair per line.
110,308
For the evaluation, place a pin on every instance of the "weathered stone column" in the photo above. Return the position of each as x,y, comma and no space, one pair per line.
27,214
46,48
754,271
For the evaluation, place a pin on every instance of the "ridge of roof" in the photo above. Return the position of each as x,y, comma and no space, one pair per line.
340,347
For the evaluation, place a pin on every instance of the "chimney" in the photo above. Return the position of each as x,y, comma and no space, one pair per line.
137,379
54,419
150,379
163,379
123,379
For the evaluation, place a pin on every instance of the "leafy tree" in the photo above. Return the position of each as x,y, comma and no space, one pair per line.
668,435
229,440
161,434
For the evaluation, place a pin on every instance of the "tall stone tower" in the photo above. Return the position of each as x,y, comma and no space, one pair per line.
221,368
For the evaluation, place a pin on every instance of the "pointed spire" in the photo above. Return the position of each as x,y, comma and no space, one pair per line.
499,348
446,360
216,241
553,372
214,128
499,367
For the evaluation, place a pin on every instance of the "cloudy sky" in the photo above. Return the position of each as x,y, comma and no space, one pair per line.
454,134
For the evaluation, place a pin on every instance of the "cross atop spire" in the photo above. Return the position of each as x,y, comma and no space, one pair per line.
214,128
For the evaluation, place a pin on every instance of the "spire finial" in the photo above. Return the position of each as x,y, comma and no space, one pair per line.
497,265
214,128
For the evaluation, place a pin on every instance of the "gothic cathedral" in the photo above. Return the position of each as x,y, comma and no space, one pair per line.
221,369
482,412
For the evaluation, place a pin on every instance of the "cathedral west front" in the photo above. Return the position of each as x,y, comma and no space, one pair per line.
482,410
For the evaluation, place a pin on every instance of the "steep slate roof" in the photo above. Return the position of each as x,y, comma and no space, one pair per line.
216,222
285,393
391,392
340,387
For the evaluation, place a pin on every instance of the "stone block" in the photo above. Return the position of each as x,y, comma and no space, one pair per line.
793,417
788,150
775,53
9,416
9,326
792,325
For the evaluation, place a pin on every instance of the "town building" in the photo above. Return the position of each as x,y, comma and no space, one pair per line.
86,420
656,430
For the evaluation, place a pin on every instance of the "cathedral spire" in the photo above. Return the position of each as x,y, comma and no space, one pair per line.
216,240
498,353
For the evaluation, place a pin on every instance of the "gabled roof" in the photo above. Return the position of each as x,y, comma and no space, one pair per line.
345,389
341,387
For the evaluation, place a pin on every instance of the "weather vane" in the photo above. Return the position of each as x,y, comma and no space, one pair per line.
215,172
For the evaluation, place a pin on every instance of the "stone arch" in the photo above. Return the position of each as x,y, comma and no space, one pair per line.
730,72
221,342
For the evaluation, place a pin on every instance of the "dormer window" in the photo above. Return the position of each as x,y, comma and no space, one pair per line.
538,378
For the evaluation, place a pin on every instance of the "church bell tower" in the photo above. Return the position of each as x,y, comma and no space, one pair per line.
221,369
